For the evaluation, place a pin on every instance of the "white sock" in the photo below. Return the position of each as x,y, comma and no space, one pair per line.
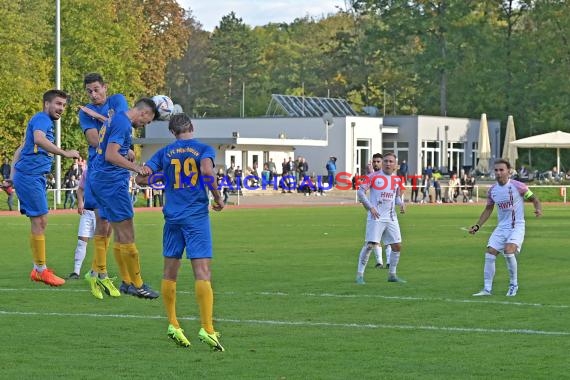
40,268
512,266
363,259
489,271
80,252
394,259
378,254
388,249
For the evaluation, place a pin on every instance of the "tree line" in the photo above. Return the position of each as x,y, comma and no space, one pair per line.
432,57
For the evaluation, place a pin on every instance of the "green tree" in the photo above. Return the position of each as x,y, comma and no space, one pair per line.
25,67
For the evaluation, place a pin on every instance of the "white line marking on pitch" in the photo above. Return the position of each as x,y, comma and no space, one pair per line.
324,295
303,323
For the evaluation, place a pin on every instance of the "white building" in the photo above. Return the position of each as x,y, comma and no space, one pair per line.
443,142
318,128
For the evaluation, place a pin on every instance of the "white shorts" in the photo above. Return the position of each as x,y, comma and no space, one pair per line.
87,224
502,236
386,232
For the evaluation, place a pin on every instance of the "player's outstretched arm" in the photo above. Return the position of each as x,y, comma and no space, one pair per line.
41,140
482,219
113,156
93,114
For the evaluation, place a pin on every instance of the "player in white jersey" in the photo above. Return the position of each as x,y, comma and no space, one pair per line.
86,228
509,196
382,222
378,248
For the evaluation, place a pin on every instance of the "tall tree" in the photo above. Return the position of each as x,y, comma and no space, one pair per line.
233,60
25,65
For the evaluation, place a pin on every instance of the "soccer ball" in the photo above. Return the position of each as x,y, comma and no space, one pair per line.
164,105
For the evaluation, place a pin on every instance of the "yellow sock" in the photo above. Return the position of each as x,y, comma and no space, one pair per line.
38,245
205,298
100,257
168,290
123,270
131,258
107,242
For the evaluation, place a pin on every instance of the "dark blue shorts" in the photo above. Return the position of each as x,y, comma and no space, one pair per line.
112,197
32,193
89,199
194,236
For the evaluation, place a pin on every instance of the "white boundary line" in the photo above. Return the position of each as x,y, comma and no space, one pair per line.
325,295
303,323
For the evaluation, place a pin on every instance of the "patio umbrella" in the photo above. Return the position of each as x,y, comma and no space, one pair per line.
484,145
510,152
555,140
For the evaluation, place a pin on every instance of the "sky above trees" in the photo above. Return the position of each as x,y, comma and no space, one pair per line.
259,12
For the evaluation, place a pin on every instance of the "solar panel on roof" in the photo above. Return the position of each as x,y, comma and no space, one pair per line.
308,106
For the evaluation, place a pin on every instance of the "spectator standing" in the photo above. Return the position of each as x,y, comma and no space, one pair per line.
331,169
272,169
70,188
403,171
157,195
9,190
453,188
425,189
5,169
437,186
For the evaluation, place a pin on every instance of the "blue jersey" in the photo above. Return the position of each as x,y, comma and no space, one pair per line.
117,103
34,159
119,131
180,164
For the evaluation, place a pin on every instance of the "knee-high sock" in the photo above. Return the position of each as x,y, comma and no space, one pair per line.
131,257
80,252
363,259
38,245
168,290
512,267
100,257
489,271
205,299
394,260
378,254
388,250
119,259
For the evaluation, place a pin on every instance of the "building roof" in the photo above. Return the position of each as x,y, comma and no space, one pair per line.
308,106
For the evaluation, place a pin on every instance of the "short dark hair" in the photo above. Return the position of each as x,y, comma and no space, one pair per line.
503,161
180,123
92,78
147,103
377,155
52,94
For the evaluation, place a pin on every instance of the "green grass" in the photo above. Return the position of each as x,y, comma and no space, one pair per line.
288,308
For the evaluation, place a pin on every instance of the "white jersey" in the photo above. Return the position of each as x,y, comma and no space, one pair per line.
509,199
384,195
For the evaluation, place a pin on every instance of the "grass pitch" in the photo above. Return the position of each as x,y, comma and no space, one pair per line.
288,308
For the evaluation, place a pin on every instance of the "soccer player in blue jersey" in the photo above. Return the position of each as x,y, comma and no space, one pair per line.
32,162
91,119
187,167
109,179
